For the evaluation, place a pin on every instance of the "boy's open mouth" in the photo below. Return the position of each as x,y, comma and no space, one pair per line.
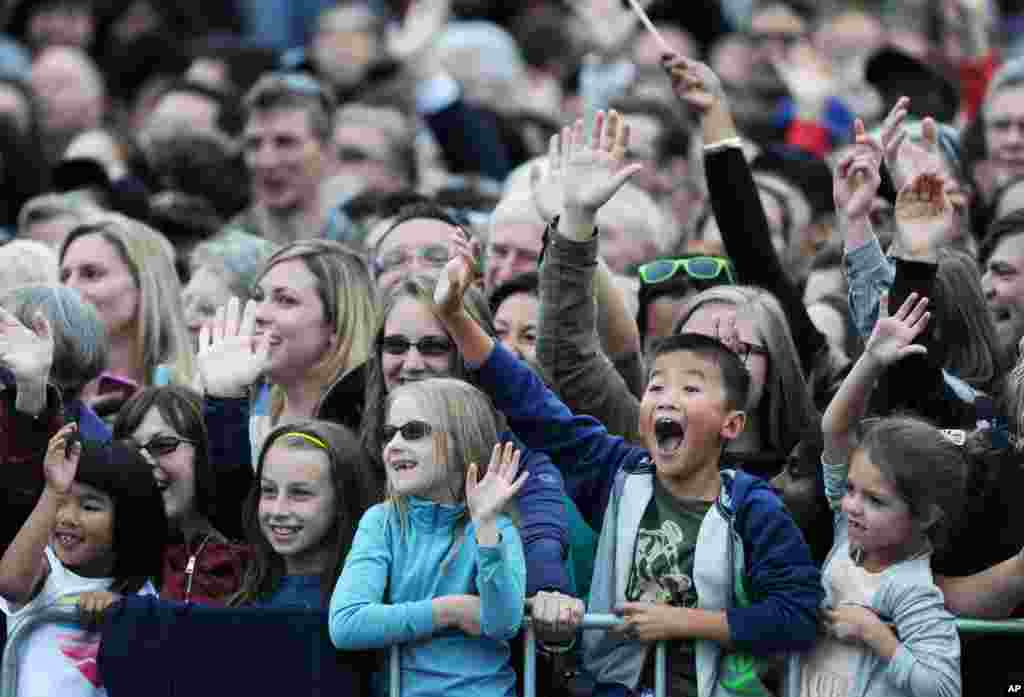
668,434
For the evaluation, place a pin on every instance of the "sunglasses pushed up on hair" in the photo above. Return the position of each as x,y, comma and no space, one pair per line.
701,268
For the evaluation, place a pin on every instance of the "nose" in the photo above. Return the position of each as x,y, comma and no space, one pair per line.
67,515
413,361
851,505
278,507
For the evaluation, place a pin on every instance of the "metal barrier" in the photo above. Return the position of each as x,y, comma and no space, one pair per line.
971,626
592,622
64,610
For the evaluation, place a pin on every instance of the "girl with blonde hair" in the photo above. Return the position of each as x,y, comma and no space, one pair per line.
439,567
126,270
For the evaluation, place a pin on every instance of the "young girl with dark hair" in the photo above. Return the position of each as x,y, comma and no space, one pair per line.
894,494
97,530
313,484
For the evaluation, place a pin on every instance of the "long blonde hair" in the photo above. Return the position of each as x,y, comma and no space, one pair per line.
466,429
350,307
161,335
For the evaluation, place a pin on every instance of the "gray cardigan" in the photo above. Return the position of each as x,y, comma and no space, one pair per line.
927,663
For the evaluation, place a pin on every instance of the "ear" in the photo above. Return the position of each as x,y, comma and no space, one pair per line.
733,425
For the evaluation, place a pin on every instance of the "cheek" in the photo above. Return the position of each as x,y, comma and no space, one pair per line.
391,366
440,366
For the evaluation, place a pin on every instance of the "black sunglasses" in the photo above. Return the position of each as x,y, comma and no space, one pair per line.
158,446
398,345
410,430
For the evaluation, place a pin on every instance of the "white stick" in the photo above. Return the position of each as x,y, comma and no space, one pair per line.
646,21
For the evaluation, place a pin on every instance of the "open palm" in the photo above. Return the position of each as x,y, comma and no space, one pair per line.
592,172
61,462
892,338
230,357
487,497
924,214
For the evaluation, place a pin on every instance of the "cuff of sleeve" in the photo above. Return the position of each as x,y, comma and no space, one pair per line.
572,251
545,567
437,94
421,617
900,667
868,255
734,142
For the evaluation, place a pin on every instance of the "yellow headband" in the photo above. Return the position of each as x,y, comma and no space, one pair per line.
305,436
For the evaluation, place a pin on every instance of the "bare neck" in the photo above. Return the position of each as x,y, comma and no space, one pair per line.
123,358
302,398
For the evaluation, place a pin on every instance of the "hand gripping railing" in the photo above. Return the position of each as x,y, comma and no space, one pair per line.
590,623
64,610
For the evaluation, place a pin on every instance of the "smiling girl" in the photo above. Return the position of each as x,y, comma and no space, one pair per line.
98,526
313,484
439,567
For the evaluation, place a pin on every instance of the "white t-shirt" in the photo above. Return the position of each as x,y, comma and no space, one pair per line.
58,660
828,668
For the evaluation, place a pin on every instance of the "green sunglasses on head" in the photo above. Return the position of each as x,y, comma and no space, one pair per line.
701,268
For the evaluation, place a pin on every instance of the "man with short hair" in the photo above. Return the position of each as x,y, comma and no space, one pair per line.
1003,114
71,93
286,145
1003,281
192,106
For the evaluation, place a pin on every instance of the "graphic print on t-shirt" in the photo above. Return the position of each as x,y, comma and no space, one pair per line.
660,573
82,648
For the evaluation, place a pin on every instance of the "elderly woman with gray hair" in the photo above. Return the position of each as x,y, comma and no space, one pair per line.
51,344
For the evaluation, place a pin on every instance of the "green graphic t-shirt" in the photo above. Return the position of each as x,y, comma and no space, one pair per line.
662,572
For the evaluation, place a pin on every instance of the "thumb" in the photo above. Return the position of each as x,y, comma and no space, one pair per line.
858,128
912,350
624,174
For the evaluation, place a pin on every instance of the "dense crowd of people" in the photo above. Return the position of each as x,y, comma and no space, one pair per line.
424,319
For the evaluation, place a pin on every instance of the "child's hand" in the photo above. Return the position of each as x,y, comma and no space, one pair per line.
456,277
93,604
593,172
849,623
856,179
61,463
231,357
489,496
924,214
555,616
694,83
651,621
890,340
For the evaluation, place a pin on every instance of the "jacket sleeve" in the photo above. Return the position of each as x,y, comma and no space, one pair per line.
469,137
568,347
579,446
359,617
927,664
227,423
785,585
868,275
501,582
748,242
543,525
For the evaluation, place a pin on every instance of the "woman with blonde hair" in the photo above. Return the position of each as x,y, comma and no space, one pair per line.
439,567
298,351
125,269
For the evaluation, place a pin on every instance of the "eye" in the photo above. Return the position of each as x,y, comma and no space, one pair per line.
267,491
692,389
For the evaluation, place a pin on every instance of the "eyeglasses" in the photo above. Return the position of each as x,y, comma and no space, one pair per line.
703,268
398,345
434,255
158,446
411,431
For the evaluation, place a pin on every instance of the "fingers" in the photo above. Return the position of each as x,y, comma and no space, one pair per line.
218,324
472,478
599,136
894,121
41,325
232,317
205,334
931,134
248,324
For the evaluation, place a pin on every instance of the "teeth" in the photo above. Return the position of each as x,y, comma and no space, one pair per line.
403,465
281,530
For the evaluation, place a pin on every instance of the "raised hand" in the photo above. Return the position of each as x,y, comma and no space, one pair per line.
905,159
892,338
26,352
61,462
856,178
461,272
924,215
546,183
422,24
231,357
487,497
694,83
592,172
607,26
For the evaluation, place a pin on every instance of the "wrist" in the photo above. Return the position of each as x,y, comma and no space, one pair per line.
444,612
577,223
717,123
